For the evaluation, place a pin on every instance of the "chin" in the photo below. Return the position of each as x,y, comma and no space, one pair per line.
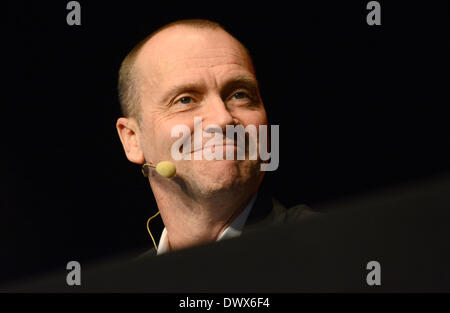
211,177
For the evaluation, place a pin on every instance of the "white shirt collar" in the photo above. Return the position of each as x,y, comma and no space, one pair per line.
233,230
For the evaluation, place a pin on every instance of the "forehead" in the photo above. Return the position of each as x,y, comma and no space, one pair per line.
186,51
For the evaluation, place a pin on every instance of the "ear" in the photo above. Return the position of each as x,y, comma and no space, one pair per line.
128,130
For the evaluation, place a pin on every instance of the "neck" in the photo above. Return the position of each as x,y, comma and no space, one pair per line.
192,220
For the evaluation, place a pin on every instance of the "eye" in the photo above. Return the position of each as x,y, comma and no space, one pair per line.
185,100
240,95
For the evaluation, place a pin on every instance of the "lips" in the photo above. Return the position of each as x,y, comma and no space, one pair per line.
225,144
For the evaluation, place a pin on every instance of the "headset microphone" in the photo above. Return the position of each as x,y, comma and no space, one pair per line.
165,168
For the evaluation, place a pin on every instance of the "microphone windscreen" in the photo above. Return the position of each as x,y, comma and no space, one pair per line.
166,169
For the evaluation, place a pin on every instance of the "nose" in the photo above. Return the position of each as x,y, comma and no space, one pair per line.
218,114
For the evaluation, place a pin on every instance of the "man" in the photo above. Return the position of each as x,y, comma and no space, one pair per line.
189,69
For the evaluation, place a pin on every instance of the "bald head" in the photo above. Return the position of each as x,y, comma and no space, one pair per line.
159,52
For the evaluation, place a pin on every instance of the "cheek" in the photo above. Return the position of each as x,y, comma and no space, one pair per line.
254,118
164,129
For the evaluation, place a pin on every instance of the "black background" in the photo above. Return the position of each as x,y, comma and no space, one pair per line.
359,107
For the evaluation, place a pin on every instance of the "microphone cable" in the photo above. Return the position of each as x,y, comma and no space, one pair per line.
149,232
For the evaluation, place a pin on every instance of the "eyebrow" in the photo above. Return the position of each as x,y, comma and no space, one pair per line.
179,89
246,82
231,84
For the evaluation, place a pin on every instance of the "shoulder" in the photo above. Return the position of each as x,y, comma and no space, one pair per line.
278,214
296,213
147,254
300,212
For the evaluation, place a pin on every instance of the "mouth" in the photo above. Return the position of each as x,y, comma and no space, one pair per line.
225,145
